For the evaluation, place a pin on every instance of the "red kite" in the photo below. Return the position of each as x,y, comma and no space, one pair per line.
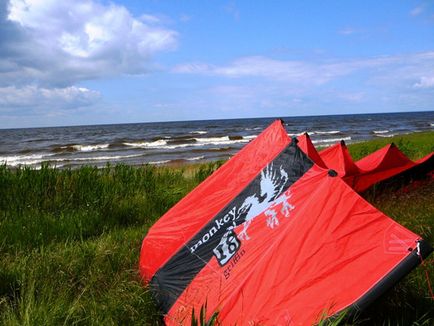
272,238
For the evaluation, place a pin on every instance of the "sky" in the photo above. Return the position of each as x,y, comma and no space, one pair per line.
77,62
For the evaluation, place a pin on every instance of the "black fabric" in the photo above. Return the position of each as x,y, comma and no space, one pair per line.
332,173
403,268
217,238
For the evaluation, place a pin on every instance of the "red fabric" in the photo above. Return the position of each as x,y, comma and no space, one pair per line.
383,164
306,145
189,215
308,256
329,251
425,158
385,158
338,158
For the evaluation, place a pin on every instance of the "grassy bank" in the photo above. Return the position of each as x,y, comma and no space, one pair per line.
70,240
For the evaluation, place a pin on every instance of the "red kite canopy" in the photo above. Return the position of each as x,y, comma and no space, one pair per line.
383,164
306,145
272,238
386,163
338,158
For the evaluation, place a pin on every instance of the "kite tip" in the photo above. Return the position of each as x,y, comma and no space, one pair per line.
332,173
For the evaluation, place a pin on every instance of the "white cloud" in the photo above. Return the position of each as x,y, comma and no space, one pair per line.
58,43
36,98
193,68
425,82
255,66
264,86
398,68
280,70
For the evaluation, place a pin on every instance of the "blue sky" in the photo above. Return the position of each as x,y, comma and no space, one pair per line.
90,62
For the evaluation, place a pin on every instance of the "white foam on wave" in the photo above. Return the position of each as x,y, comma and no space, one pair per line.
298,134
159,162
432,124
381,131
331,132
199,132
385,136
87,148
225,140
98,158
195,158
158,144
330,140
143,144
163,144
212,139
15,160
35,159
256,128
168,161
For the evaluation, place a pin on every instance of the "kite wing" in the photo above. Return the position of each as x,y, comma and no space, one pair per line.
272,238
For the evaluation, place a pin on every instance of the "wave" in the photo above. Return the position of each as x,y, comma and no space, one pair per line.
41,158
249,129
16,160
177,161
432,124
384,136
181,141
298,134
159,162
330,140
152,144
196,158
213,149
199,132
156,143
90,148
332,132
98,158
213,139
380,131
179,137
225,140
190,142
316,132
79,148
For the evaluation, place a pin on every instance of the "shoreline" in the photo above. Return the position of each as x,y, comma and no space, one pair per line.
366,146
179,143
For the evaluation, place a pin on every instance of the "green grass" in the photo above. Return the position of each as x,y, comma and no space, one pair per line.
409,302
413,145
70,241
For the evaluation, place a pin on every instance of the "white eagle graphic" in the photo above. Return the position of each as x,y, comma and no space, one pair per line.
271,185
